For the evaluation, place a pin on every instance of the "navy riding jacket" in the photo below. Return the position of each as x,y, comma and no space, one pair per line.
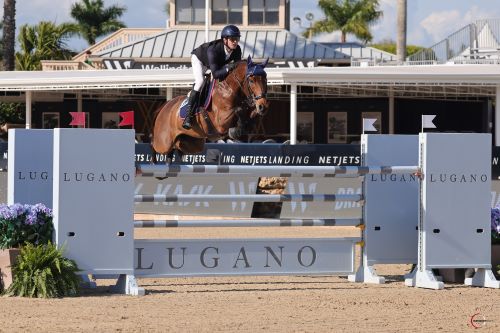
212,55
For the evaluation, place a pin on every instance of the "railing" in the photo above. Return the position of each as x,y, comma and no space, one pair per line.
454,45
70,65
476,41
118,38
64,65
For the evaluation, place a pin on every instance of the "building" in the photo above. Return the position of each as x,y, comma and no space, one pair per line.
331,98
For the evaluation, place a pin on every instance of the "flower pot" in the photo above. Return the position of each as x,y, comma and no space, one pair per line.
7,259
457,275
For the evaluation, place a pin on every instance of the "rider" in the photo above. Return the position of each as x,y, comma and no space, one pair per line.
216,55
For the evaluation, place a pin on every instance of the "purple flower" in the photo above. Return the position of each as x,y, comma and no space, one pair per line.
495,225
24,223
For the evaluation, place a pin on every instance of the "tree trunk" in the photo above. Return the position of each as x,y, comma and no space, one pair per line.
401,30
9,34
343,37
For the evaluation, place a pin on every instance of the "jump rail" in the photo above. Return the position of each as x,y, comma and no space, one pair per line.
246,223
149,170
248,197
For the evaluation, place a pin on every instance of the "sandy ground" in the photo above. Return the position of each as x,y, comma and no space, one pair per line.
249,304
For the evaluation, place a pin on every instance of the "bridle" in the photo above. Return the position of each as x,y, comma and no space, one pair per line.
251,98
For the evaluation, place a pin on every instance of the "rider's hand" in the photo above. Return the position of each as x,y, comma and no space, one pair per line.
230,66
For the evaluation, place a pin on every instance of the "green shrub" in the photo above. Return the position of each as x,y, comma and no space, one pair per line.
12,113
41,271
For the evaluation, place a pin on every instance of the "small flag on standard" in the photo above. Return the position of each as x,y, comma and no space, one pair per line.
368,125
427,121
77,119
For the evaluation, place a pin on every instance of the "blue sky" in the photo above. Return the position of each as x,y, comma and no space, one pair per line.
429,21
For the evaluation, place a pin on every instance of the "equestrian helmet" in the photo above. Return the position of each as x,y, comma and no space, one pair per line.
230,31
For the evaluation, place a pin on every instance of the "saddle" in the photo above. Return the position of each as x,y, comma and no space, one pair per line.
204,99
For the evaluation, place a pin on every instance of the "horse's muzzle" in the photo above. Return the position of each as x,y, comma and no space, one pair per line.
261,108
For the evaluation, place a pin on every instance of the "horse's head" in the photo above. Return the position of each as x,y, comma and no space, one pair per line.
256,81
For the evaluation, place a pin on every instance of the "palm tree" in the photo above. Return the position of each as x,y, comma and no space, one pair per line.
1,42
94,20
401,27
348,16
9,33
44,41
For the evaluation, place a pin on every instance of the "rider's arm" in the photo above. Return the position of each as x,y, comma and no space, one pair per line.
218,72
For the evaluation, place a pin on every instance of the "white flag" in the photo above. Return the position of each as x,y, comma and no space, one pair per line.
427,121
368,125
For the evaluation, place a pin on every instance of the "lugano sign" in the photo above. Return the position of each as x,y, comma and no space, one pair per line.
167,257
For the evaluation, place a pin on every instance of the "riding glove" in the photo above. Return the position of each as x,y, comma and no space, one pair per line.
231,66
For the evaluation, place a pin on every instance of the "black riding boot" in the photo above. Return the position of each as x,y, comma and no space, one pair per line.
193,96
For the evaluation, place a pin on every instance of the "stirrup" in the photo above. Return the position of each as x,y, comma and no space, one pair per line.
186,124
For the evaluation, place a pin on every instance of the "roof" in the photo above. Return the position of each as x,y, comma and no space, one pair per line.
360,51
459,75
275,44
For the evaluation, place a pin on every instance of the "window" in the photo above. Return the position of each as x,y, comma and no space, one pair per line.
337,127
50,120
110,119
190,11
263,12
227,11
305,127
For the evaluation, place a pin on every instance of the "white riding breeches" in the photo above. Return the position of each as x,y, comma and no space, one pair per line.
198,70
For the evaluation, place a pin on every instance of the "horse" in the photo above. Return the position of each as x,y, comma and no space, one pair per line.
240,97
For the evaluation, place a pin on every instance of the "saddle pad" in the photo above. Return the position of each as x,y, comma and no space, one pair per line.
183,107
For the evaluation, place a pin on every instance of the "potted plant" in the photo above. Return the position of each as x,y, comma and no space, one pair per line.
21,224
42,271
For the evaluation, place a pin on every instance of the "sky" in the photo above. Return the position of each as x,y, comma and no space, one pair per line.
429,21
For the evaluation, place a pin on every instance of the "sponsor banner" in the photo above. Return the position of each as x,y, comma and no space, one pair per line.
122,64
495,163
262,154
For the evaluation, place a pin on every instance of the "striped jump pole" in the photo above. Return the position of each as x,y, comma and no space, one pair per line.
150,170
248,197
246,223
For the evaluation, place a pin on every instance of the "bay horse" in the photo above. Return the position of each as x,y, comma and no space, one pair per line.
242,94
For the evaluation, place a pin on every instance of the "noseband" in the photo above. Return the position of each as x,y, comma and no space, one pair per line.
250,92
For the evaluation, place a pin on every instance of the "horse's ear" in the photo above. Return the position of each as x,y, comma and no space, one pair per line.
249,61
265,62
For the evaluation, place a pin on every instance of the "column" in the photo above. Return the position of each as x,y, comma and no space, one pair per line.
293,113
